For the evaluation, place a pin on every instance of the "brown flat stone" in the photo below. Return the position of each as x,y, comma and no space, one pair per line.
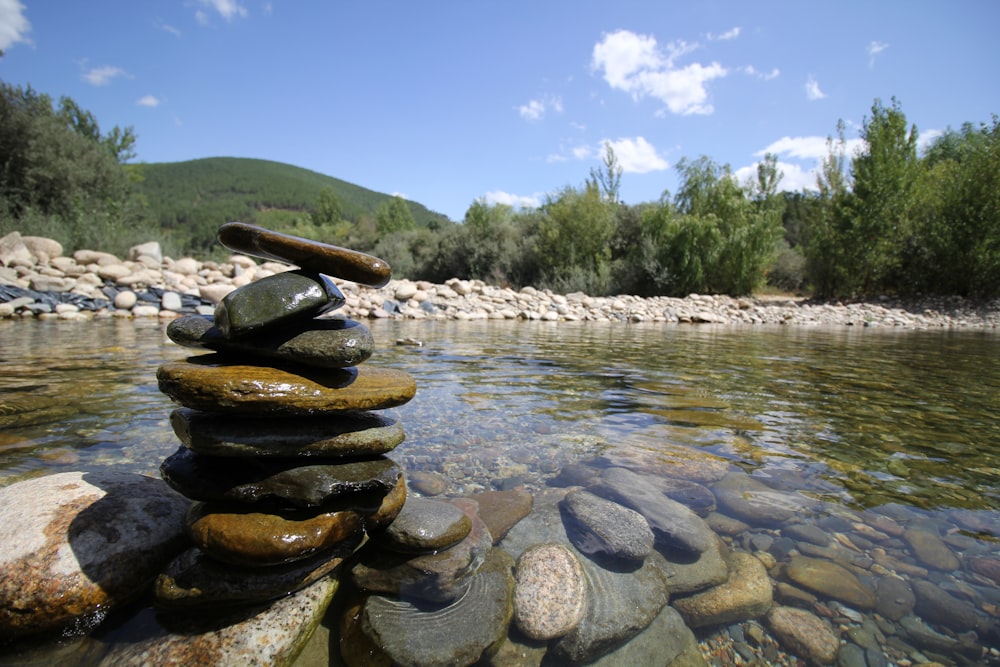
234,534
312,255
208,383
348,434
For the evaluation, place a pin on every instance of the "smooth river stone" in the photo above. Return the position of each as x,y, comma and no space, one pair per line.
605,527
456,634
278,482
749,499
234,534
424,526
313,255
274,301
439,577
195,580
208,383
76,545
272,635
322,343
348,434
746,594
830,580
550,591
677,525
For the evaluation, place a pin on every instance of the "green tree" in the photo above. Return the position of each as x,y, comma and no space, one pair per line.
574,241
825,245
608,179
327,210
394,216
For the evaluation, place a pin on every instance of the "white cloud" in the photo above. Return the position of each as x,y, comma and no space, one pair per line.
636,65
102,76
14,27
806,148
793,177
732,33
148,101
517,201
875,47
227,9
813,91
636,156
536,109
926,138
582,152
766,76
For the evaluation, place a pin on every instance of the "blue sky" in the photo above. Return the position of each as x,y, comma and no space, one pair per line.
445,102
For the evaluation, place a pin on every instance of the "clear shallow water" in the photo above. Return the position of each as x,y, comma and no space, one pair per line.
860,418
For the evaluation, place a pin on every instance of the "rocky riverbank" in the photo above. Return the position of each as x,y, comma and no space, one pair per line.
38,280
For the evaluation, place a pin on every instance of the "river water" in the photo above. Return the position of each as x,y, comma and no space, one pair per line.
867,420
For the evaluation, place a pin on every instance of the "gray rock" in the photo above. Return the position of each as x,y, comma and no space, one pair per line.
601,526
76,545
938,606
667,641
688,573
550,591
831,580
894,598
677,525
349,434
803,633
746,498
285,482
424,526
322,343
459,633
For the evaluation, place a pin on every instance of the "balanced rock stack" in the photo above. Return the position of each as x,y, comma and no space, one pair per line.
283,452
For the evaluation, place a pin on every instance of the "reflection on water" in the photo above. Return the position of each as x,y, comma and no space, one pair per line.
860,418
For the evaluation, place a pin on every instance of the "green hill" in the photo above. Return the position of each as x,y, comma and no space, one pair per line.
189,200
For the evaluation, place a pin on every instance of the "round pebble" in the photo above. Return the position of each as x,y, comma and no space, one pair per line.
549,591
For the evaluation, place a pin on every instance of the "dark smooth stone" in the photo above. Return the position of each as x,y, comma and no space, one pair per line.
209,383
348,434
332,343
438,577
600,526
457,634
274,301
424,526
196,580
312,255
280,482
234,534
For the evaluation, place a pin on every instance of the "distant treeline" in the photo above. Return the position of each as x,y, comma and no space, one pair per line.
884,220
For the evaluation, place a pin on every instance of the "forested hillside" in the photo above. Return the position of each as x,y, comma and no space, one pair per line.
189,200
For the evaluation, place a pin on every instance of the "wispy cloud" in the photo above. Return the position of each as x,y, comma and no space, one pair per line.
813,91
166,27
227,9
102,76
637,65
636,156
517,201
14,26
805,148
536,109
875,47
148,101
732,33
766,76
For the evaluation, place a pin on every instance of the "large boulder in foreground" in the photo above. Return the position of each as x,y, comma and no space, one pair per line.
76,545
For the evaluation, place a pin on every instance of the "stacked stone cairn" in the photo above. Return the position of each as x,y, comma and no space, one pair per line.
283,448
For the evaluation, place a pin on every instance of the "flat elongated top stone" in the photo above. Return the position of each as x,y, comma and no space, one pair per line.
286,483
276,300
332,343
209,383
313,255
348,434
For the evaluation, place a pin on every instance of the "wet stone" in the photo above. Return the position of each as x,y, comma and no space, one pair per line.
930,550
234,534
312,255
894,598
459,633
677,525
278,482
688,573
275,301
667,641
804,634
807,532
750,500
195,580
210,384
746,594
831,580
424,525
501,510
348,434
75,545
438,577
321,343
550,592
600,526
